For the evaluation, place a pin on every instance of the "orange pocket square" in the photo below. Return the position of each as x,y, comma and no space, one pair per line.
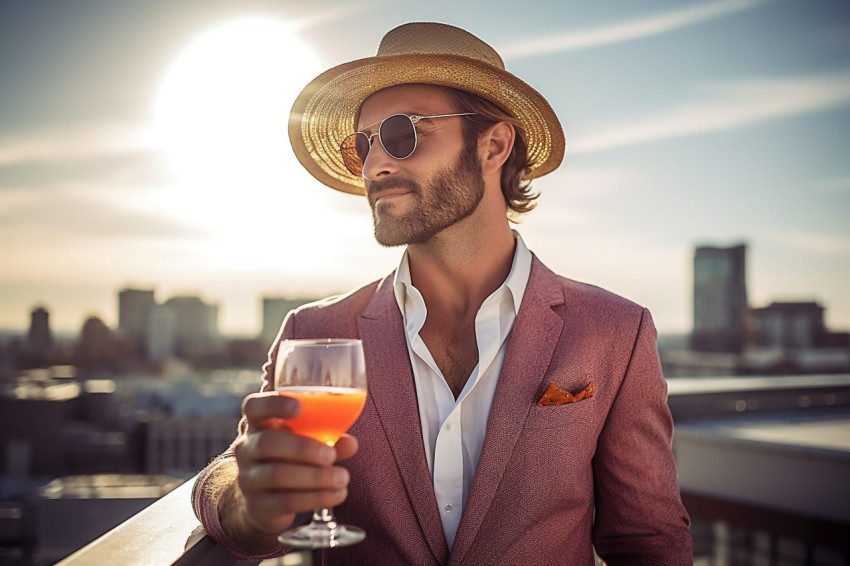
556,396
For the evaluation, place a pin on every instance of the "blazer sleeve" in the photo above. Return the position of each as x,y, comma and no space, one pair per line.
640,518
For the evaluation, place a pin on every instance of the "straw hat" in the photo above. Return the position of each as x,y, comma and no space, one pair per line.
429,53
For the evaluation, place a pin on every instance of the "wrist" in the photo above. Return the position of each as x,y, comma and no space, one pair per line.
238,524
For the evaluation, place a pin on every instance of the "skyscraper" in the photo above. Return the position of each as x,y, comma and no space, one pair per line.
161,339
720,299
134,311
40,338
195,325
97,347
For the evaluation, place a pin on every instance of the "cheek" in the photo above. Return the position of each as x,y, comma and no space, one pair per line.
427,160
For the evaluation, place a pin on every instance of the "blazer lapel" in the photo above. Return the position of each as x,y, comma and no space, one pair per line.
535,335
393,392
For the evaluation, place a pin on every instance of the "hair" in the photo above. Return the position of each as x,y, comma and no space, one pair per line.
516,186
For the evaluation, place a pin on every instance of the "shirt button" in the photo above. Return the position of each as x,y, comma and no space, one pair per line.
448,507
448,427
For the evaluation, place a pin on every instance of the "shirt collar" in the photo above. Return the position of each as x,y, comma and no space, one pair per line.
516,281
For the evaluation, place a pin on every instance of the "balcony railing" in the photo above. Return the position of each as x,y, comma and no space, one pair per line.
166,532
729,529
161,534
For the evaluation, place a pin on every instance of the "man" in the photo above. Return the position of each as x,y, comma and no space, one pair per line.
514,416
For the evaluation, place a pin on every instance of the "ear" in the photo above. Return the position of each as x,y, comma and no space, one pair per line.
495,146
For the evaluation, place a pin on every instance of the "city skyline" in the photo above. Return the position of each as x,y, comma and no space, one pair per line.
273,308
143,145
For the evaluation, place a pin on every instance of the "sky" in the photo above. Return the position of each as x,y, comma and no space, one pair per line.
143,144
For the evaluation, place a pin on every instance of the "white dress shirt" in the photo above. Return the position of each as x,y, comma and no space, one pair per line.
453,429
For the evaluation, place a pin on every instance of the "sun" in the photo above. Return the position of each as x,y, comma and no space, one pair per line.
221,119
223,106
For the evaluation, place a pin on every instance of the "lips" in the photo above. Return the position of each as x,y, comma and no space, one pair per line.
384,190
390,194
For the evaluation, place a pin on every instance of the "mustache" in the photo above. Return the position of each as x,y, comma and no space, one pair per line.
375,188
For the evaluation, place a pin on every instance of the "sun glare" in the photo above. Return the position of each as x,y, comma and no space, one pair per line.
221,118
224,104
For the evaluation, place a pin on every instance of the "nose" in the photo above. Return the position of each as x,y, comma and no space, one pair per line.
378,162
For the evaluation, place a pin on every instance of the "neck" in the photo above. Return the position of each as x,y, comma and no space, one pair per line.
456,272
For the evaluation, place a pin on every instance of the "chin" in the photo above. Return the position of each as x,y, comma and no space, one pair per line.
393,236
388,238
389,243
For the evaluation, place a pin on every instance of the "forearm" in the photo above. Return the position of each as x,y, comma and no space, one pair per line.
220,506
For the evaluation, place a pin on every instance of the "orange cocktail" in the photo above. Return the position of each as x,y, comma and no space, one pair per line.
326,412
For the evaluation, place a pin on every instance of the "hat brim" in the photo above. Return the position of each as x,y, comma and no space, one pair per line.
323,114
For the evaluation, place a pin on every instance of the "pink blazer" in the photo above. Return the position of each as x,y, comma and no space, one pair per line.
552,482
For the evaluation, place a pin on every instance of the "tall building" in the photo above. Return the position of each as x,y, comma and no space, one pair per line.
97,347
195,325
720,299
134,311
161,334
40,337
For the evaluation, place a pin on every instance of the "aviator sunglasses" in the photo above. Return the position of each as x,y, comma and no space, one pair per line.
397,134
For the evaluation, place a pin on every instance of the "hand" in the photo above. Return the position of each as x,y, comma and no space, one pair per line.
280,473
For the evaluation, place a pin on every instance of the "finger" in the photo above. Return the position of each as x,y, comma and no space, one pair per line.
286,476
273,506
261,408
346,447
282,445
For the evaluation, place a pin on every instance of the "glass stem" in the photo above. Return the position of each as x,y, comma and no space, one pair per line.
325,517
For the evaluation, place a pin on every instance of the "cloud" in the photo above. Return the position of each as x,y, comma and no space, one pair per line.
628,31
732,105
100,162
819,244
78,214
588,183
328,15
74,142
113,170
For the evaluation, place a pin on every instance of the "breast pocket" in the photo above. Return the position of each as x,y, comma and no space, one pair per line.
563,435
569,416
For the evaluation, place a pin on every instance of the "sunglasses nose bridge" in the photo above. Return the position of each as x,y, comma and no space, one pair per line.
364,149
369,143
378,160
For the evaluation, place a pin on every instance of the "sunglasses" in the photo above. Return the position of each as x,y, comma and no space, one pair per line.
397,134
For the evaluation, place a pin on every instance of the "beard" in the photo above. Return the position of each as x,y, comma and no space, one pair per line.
452,194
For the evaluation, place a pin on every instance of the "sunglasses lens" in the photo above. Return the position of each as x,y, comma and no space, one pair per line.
398,136
354,149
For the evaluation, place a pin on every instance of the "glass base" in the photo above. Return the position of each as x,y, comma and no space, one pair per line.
322,535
